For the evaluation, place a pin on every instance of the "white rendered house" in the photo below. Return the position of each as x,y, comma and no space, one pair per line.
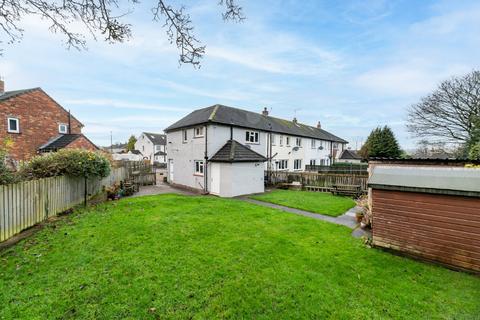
225,151
152,146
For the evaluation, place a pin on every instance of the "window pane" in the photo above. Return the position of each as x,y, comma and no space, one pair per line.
13,124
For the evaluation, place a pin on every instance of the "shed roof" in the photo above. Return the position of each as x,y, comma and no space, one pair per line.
59,142
428,179
350,155
234,151
242,118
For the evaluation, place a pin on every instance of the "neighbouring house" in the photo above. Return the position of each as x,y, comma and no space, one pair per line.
349,156
116,148
428,208
153,147
36,123
224,151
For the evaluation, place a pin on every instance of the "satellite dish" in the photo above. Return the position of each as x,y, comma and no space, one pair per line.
320,148
295,149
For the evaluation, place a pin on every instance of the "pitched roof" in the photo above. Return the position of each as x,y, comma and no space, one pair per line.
156,138
247,119
61,141
233,151
350,155
160,153
12,94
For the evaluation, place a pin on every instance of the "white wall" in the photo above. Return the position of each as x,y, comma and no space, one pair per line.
238,178
146,147
218,135
184,156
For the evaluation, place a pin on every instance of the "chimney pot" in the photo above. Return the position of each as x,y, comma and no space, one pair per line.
319,125
2,86
295,120
265,111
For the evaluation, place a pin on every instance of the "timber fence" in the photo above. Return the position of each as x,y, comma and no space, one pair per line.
24,204
324,180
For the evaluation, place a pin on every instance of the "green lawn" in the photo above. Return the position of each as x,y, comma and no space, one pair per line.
182,257
317,202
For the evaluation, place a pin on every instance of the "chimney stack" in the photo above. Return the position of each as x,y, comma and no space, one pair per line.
295,120
265,111
319,125
2,86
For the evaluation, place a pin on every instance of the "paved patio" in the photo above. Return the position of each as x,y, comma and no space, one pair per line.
160,188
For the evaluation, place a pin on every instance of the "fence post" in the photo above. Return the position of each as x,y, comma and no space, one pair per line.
85,192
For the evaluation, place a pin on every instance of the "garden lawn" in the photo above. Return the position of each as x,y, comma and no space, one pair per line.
172,256
316,202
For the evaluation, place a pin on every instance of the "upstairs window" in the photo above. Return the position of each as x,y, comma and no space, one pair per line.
297,164
63,128
298,142
281,140
184,135
157,147
199,167
252,136
274,139
288,141
313,143
13,125
198,131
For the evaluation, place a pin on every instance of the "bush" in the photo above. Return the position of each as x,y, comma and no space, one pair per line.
68,162
6,174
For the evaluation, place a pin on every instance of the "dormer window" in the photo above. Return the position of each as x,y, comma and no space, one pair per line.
63,128
198,132
13,125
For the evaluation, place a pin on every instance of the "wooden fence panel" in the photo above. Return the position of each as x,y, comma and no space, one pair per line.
27,203
319,179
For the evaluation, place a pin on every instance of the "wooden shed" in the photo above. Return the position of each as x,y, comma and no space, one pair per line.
427,208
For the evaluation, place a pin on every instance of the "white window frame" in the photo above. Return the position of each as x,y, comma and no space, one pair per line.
252,137
281,140
297,164
159,148
288,141
60,125
198,132
313,162
184,135
199,167
313,144
274,139
18,125
298,142
282,164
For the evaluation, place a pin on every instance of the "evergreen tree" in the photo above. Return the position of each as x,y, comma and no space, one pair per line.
381,143
131,143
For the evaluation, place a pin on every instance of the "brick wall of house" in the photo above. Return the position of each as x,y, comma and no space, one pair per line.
82,143
39,117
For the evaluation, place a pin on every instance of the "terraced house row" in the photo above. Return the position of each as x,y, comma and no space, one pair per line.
224,151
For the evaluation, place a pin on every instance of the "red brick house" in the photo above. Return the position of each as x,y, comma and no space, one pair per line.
36,123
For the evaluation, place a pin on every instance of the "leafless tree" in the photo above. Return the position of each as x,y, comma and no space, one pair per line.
451,113
106,17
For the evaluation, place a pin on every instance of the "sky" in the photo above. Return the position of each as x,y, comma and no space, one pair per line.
352,65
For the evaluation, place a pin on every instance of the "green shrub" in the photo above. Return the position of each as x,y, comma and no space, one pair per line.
6,174
68,162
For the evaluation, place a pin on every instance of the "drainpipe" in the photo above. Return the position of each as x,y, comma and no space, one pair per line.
205,167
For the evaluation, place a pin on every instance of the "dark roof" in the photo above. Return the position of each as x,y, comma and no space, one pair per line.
234,151
156,138
433,161
242,118
350,155
160,153
136,152
59,142
10,94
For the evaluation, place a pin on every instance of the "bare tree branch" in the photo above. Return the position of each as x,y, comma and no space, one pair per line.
106,17
448,114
